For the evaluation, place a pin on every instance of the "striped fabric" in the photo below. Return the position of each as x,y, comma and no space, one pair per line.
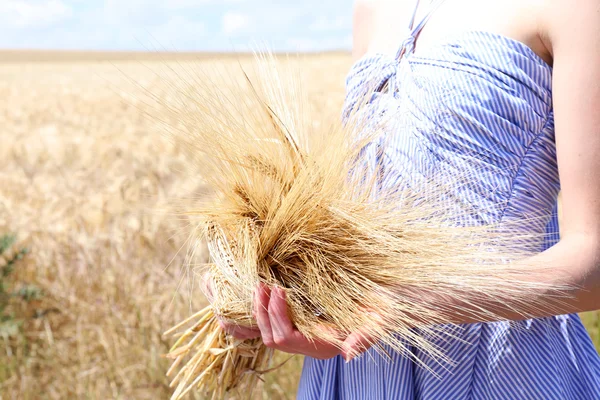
482,101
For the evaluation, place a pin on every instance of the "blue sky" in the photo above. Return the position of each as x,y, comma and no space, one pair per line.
206,25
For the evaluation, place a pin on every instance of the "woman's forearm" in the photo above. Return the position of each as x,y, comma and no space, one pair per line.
573,265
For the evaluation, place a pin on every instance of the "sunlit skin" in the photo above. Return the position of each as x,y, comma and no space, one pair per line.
566,35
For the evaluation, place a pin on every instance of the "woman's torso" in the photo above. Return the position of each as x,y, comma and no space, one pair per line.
475,95
464,100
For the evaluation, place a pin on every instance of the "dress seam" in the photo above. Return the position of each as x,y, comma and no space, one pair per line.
519,170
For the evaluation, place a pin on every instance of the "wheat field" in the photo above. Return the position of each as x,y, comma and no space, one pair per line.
86,182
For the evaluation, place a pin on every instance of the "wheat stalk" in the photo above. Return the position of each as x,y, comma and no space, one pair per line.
298,205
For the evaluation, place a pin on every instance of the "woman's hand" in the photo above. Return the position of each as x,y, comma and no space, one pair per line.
278,332
239,332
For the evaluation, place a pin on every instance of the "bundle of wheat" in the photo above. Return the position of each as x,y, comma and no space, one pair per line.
219,362
296,205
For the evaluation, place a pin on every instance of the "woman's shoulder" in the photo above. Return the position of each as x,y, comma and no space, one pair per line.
570,24
380,25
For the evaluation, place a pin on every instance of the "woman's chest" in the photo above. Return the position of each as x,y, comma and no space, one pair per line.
520,20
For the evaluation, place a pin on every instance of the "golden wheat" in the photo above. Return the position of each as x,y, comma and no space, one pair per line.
297,204
83,175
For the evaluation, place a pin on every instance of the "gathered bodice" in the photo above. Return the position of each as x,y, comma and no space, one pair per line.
477,105
477,102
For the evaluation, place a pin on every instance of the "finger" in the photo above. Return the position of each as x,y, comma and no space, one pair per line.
206,286
245,333
261,308
239,332
283,329
355,344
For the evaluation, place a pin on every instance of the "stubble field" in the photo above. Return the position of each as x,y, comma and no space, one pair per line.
87,183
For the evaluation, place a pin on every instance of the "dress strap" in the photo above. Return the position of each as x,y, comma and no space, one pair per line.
408,45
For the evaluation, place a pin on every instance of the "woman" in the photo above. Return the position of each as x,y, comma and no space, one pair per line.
516,82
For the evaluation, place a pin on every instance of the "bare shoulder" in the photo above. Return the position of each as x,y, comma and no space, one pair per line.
378,25
571,25
363,22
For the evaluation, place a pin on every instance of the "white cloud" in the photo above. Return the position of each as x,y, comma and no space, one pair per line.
33,14
325,24
215,25
233,23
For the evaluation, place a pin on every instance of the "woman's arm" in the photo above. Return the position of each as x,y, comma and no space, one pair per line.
573,32
572,36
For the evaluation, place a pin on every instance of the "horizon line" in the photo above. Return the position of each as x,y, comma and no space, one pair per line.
40,55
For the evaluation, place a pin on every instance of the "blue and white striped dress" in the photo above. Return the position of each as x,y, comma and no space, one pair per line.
475,93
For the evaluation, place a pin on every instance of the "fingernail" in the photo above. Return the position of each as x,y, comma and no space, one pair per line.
351,354
346,355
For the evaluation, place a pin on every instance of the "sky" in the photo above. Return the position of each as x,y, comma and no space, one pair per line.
176,25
